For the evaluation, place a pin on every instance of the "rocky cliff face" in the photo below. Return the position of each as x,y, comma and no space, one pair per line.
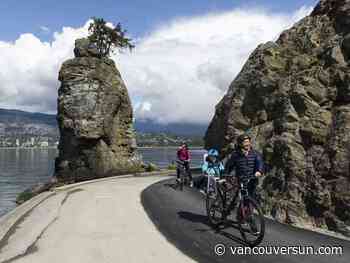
94,117
293,95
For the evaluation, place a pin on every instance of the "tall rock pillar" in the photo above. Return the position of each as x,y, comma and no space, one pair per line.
95,119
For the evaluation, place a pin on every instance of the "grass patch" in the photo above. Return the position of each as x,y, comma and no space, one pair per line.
151,167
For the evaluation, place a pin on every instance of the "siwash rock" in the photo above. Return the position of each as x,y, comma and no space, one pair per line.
95,118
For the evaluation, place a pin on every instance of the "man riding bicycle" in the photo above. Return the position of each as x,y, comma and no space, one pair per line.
247,163
184,158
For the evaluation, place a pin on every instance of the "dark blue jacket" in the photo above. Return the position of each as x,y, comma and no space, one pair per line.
245,166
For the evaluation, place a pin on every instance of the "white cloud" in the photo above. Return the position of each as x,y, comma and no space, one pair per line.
176,73
184,68
29,69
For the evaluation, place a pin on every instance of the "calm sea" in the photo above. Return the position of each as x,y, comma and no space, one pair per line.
22,168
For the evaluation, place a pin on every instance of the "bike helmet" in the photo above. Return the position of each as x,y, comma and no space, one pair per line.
213,152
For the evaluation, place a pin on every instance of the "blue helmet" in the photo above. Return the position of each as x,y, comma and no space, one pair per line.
213,152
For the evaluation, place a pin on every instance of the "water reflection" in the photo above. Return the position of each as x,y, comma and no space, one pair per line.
22,168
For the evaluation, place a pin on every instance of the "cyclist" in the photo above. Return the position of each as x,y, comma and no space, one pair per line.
184,158
246,162
212,166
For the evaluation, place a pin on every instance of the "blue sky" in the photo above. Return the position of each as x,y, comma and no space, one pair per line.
138,16
185,49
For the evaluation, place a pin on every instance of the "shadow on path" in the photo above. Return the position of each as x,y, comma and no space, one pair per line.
221,230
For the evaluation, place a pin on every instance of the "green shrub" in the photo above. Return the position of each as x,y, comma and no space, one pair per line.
172,166
24,196
151,167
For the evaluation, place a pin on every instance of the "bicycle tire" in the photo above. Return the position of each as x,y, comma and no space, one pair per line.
181,182
260,218
210,202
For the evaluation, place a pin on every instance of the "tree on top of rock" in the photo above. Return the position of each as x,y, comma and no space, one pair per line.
107,39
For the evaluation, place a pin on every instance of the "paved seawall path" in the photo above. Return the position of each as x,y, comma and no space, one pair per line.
136,219
182,218
100,221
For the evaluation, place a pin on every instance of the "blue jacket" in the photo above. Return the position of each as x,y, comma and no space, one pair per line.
245,166
214,169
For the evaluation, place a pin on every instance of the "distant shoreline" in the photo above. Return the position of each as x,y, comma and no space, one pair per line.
41,148
141,147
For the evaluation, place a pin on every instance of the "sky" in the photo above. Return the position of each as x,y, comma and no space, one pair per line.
187,51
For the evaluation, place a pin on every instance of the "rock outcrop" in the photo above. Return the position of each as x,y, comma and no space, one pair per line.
95,118
293,95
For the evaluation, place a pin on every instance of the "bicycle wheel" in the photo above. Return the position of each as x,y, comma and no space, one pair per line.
182,180
215,209
251,221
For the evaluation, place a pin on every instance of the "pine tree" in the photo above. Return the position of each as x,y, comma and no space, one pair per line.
108,39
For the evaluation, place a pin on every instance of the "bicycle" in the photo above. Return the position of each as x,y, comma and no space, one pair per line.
220,205
184,175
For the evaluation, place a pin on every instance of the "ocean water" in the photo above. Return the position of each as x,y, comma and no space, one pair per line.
22,168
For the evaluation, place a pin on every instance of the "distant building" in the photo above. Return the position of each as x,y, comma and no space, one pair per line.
44,144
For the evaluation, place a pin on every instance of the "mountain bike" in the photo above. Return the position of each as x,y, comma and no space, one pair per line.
224,198
184,175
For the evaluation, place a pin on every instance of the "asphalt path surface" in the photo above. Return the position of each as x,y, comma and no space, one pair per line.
181,217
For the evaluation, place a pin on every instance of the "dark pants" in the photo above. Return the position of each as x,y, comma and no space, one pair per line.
186,165
201,182
251,187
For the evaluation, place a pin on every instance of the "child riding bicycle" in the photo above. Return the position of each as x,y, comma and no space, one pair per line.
212,168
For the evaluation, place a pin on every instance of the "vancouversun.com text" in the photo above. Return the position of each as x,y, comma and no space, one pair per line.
221,249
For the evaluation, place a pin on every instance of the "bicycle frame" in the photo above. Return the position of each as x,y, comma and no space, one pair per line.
212,178
246,207
184,174
241,193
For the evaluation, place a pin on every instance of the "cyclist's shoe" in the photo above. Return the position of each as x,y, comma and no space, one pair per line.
245,225
212,195
255,233
178,180
211,192
191,184
202,191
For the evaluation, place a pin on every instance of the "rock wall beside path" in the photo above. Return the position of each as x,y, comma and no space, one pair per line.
293,95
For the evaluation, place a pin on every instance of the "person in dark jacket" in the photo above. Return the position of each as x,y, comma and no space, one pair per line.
246,162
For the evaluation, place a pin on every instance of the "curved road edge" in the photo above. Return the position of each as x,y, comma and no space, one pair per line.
181,218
